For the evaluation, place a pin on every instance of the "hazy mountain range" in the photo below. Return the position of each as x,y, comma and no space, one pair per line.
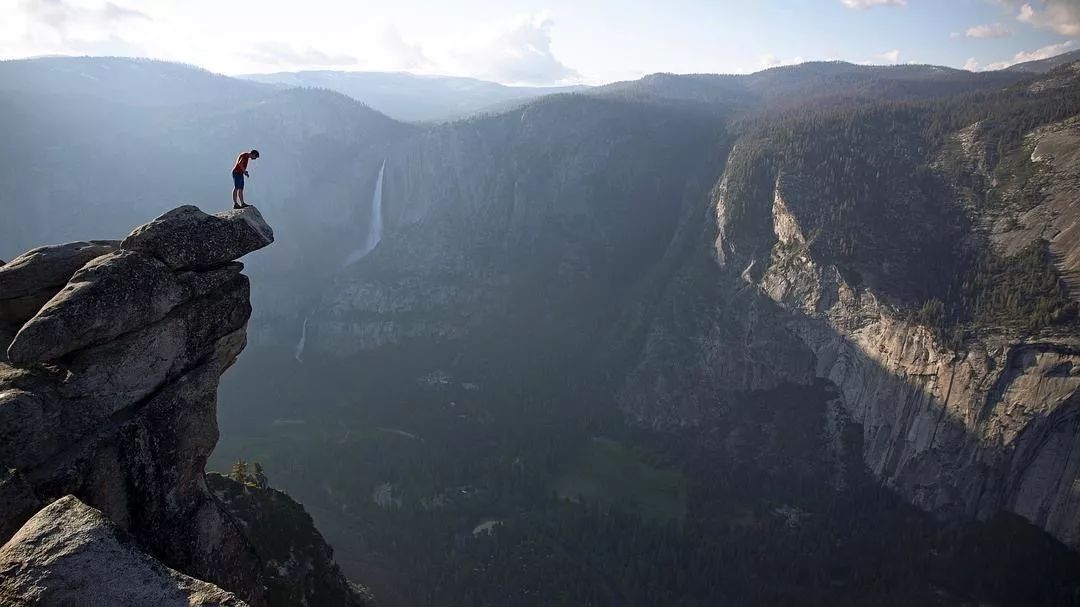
410,97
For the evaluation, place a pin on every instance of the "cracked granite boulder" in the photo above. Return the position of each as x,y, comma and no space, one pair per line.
185,237
31,279
72,554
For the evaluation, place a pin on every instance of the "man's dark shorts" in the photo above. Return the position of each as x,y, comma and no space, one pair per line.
238,180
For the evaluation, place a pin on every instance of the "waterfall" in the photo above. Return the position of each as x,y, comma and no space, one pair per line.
371,240
375,228
299,354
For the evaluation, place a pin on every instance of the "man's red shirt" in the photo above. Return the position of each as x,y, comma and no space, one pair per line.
241,162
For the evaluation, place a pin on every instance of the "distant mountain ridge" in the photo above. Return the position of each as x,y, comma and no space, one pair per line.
1043,66
413,97
816,80
141,81
420,98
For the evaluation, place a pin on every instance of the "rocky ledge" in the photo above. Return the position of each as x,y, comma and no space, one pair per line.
72,554
108,412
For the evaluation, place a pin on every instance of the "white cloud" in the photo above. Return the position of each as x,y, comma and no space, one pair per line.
63,15
520,53
769,60
1045,52
407,56
513,49
892,56
861,4
65,26
1061,16
992,30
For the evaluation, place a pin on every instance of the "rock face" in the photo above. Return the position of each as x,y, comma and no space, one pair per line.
110,296
31,279
48,267
186,237
477,219
1055,156
110,392
72,554
968,433
972,433
299,564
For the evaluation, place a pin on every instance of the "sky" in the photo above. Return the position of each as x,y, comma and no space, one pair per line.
542,42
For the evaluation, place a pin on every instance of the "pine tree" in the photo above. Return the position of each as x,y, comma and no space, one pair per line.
259,476
239,471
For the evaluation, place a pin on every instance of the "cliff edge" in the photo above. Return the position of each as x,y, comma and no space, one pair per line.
108,408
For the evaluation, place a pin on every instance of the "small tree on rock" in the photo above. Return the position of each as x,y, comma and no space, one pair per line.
239,471
259,476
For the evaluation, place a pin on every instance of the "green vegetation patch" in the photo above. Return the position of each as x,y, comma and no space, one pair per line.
1022,291
607,473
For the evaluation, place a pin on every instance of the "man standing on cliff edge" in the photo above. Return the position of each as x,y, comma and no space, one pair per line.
239,171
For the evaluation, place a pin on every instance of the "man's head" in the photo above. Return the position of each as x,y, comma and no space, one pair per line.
254,153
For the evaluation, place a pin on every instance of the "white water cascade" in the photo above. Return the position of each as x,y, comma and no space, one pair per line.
371,240
374,234
299,353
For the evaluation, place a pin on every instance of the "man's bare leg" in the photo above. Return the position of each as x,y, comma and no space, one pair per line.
234,191
242,203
